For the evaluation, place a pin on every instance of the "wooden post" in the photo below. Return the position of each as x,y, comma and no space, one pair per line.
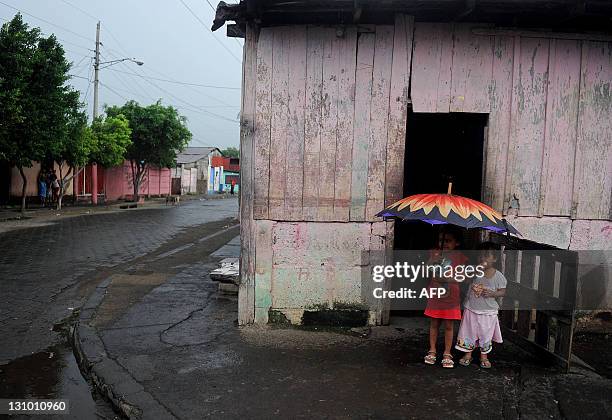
246,292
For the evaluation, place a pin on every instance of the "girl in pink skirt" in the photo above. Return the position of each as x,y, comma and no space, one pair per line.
479,324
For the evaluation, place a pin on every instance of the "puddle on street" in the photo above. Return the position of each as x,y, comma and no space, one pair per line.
53,374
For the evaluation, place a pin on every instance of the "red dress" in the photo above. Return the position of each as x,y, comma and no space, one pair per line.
449,306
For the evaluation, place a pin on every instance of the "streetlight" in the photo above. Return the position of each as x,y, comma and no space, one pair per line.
110,63
97,64
106,64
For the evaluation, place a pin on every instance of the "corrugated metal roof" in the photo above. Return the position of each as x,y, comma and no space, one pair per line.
193,154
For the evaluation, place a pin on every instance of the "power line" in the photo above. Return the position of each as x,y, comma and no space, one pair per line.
80,10
144,77
192,108
113,90
180,83
202,143
65,41
124,83
209,30
46,21
214,98
132,79
79,63
189,104
86,66
89,75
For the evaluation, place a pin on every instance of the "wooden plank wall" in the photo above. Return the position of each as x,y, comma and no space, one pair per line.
330,121
549,102
592,188
246,293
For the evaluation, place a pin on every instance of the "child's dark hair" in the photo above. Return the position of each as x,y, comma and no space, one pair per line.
493,249
454,231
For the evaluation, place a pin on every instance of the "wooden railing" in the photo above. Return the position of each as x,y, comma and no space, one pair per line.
539,307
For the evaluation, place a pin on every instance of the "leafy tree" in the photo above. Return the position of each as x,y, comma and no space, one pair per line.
111,140
19,144
158,134
70,149
36,105
105,143
231,152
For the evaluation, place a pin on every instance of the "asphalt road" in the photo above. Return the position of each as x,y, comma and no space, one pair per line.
47,272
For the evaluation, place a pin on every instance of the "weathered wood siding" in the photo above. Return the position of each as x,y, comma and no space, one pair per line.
324,128
246,291
549,100
330,121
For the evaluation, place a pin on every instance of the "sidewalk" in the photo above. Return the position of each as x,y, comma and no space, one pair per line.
176,352
11,218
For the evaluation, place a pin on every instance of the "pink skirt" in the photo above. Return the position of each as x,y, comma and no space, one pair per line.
478,330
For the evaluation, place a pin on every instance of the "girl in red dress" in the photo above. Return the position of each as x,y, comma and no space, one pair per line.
444,310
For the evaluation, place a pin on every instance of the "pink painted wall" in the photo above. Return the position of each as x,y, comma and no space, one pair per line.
31,175
118,182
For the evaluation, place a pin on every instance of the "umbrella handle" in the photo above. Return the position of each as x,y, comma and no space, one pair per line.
450,188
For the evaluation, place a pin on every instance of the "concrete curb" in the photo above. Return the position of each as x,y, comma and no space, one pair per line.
111,379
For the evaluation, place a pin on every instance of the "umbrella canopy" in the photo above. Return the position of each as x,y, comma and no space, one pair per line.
448,209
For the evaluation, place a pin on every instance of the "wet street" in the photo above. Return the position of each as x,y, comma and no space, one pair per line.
47,273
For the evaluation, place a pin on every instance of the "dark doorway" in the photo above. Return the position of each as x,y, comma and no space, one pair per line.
440,147
5,182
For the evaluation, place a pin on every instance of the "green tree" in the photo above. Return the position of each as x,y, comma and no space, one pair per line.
231,152
111,140
71,149
158,134
35,102
19,144
105,143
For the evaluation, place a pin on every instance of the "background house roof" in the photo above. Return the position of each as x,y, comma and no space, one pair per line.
193,154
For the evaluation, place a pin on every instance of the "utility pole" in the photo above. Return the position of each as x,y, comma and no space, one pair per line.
96,71
97,63
94,167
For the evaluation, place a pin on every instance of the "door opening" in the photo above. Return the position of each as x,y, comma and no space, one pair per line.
439,147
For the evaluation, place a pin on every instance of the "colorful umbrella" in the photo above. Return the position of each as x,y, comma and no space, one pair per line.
448,209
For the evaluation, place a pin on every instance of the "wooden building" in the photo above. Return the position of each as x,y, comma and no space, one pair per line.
349,105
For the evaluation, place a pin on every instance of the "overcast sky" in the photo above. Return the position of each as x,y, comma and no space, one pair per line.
168,38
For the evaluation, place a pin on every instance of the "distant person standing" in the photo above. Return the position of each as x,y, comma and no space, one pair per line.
42,190
233,187
55,187
48,181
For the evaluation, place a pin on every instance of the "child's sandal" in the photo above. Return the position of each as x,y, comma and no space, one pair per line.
447,361
430,358
485,364
465,361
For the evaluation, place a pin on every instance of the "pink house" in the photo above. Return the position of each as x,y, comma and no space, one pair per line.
116,183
